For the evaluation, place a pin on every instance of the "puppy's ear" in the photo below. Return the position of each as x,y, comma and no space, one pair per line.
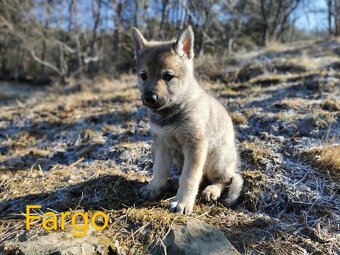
138,41
184,45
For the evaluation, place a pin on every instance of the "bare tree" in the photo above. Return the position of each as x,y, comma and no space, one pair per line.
333,11
67,38
275,17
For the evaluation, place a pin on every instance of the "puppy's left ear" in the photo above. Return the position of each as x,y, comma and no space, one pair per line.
184,45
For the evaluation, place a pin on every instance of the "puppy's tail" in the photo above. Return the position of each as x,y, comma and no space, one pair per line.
234,190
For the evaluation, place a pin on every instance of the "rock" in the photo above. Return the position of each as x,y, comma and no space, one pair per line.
59,244
198,237
84,248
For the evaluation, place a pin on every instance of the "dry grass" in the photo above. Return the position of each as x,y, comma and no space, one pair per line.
294,103
267,80
238,118
326,158
256,152
309,63
273,45
88,148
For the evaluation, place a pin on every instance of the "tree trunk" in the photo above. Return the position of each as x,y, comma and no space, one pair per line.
62,65
329,7
117,34
164,7
337,17
265,23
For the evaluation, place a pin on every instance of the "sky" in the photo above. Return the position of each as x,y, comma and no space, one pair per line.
314,19
310,16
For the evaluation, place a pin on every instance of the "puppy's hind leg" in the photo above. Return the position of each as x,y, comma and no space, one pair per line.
234,190
227,178
213,191
232,178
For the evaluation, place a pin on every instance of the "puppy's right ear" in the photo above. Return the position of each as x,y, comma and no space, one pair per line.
138,41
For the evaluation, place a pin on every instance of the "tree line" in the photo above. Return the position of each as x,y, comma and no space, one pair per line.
42,40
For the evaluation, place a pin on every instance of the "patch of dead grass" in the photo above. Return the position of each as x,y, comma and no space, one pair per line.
306,61
254,182
326,158
276,46
331,105
290,103
238,118
256,152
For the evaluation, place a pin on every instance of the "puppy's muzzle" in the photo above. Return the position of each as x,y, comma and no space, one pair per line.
152,100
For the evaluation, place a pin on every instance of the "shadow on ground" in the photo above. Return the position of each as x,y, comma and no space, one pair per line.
110,192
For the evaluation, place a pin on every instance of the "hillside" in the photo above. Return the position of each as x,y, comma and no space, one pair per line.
87,147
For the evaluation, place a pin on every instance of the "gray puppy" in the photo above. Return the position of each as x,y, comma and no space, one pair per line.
189,127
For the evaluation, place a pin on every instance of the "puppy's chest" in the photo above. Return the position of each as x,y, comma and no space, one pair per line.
168,134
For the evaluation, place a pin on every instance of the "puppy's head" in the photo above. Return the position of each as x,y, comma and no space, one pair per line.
164,69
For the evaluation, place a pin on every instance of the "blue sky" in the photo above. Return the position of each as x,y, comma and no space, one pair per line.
312,15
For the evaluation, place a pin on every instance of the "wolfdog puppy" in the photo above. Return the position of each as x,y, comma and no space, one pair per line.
189,127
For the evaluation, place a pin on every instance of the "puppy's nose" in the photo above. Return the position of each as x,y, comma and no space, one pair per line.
150,98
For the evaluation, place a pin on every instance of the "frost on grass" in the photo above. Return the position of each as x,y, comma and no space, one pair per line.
89,149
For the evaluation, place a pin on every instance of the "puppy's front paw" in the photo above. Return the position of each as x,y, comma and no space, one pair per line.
184,206
149,192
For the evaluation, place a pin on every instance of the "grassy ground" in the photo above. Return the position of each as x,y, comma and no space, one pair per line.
87,147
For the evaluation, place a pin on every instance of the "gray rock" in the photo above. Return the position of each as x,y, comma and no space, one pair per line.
60,244
198,237
84,248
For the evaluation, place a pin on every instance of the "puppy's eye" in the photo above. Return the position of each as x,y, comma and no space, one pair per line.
143,76
167,77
